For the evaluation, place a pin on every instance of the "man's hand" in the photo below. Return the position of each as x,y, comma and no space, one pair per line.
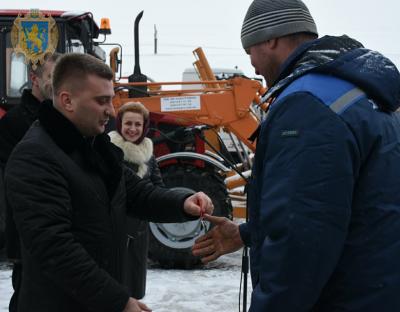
134,305
223,238
198,204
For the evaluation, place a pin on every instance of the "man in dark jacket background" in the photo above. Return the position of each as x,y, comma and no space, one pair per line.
324,200
13,126
18,119
70,195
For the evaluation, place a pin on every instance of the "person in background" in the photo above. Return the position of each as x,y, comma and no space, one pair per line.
13,126
16,122
132,125
70,194
323,198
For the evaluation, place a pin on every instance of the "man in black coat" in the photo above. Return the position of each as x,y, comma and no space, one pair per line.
70,195
18,119
13,127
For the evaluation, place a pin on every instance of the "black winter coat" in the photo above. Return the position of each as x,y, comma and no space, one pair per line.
70,197
13,127
16,123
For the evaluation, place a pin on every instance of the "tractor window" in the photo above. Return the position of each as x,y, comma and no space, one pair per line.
75,45
18,77
16,71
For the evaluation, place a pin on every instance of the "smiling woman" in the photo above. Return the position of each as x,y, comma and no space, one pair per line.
132,124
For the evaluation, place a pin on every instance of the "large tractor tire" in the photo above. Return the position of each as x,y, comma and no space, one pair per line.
170,243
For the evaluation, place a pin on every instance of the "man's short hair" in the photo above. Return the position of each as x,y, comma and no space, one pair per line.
38,71
76,67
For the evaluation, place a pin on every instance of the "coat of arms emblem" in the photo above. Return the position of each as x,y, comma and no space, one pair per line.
34,35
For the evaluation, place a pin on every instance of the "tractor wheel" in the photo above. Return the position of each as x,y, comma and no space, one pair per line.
170,243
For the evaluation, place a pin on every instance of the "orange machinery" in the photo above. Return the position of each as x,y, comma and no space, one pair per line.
219,104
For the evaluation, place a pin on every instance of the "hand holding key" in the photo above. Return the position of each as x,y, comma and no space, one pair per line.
198,204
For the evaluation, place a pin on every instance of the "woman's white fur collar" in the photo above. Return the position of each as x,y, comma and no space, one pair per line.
138,154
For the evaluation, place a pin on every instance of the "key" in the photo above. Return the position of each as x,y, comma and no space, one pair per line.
202,222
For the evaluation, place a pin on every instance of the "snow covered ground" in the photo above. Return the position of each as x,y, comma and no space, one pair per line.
5,286
214,288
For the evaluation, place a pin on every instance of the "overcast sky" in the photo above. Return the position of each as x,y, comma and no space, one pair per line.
215,25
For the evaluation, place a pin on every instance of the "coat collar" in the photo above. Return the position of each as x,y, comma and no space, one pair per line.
30,102
60,129
311,56
98,153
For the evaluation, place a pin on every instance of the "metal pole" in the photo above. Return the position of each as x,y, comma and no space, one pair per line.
155,39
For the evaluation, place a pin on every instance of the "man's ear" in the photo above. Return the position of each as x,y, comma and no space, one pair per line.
65,101
272,43
34,78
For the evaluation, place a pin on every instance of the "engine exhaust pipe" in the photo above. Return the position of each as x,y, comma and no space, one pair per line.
137,76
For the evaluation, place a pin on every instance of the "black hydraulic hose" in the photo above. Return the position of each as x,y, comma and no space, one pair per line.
230,164
171,136
245,257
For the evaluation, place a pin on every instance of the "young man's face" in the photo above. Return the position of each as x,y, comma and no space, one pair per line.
91,105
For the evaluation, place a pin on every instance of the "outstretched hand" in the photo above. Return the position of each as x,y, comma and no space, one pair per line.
223,238
198,204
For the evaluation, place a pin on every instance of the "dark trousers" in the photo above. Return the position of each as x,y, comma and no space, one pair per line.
16,284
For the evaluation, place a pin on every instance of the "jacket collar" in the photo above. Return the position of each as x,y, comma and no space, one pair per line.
60,129
98,153
30,102
311,56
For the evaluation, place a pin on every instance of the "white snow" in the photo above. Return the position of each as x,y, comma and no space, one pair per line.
214,288
5,286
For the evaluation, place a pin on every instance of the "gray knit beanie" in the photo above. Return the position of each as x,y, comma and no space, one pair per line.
269,19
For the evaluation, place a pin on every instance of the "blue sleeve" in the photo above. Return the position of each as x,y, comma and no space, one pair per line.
305,187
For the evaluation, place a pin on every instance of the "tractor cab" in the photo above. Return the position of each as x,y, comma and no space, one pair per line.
76,32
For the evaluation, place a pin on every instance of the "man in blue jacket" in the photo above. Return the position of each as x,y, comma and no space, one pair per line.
324,199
